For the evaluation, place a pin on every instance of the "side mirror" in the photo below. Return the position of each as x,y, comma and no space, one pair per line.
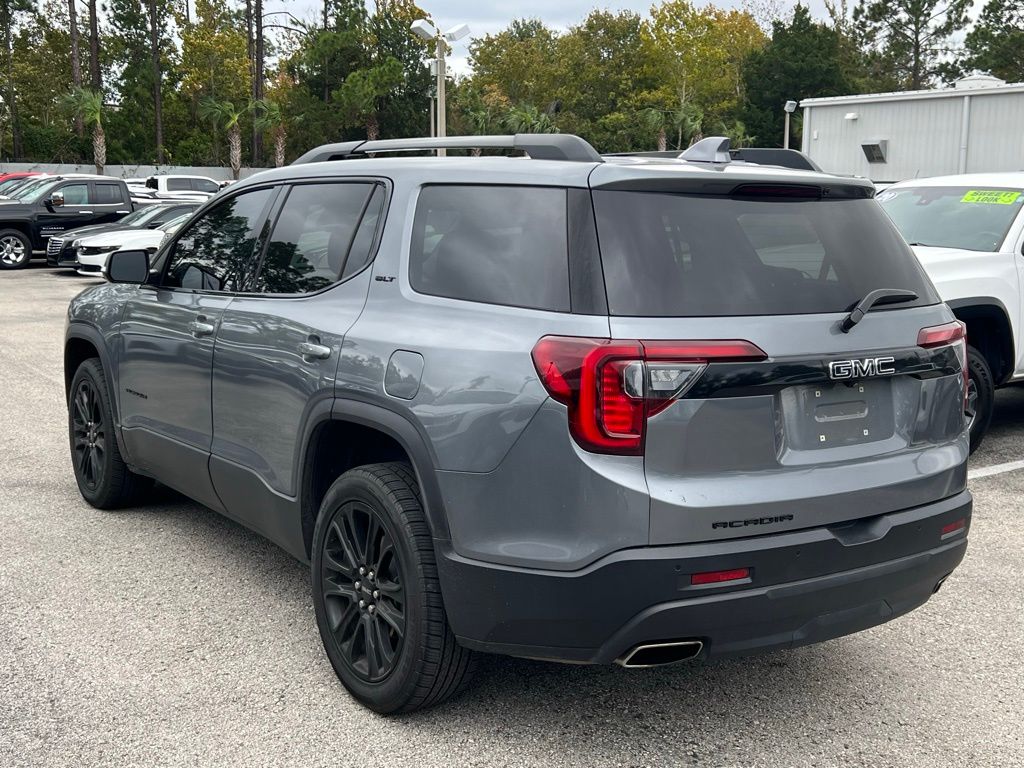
56,199
127,267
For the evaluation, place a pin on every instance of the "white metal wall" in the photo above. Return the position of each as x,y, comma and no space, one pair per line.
996,135
924,135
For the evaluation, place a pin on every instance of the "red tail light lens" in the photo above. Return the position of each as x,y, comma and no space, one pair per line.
950,334
612,387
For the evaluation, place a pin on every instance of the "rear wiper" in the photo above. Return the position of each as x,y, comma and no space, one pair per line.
877,296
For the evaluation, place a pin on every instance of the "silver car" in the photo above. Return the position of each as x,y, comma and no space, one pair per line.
571,407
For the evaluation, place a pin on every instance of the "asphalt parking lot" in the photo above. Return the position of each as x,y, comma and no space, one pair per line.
167,635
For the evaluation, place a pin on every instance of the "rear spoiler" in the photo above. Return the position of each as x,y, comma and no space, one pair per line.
716,149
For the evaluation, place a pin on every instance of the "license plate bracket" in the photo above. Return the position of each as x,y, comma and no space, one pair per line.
820,416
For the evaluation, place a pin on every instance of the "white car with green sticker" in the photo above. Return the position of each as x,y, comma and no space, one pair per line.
968,232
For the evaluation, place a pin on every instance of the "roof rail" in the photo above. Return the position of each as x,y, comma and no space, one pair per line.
539,146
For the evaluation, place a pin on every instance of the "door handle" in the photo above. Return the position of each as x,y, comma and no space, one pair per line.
313,351
85,211
199,327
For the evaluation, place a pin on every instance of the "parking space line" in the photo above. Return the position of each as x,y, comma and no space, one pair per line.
995,469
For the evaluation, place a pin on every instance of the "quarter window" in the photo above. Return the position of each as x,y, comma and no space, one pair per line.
494,244
218,252
313,237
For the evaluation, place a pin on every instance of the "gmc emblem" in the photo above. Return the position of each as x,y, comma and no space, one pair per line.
861,369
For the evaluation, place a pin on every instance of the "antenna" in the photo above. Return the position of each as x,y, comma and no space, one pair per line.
713,149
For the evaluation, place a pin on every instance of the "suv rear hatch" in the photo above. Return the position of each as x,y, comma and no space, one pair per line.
794,422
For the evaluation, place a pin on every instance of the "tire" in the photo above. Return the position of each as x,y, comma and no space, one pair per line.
982,390
103,478
15,249
372,519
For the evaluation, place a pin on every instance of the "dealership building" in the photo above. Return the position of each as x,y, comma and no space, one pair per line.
977,125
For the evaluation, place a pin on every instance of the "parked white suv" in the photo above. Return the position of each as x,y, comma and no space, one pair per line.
174,186
968,232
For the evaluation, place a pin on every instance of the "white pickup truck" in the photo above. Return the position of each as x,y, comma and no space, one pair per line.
968,233
174,187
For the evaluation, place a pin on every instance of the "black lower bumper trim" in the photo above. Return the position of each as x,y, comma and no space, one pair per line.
805,587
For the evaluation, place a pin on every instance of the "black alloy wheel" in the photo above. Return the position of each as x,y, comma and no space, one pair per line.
89,446
377,594
103,477
363,591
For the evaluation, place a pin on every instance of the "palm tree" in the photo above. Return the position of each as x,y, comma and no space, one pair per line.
223,114
269,117
653,120
87,105
528,119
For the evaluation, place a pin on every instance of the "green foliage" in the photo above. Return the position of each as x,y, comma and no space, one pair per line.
996,44
800,62
908,41
622,80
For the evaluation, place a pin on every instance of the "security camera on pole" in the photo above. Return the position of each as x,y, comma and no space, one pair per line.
790,108
424,30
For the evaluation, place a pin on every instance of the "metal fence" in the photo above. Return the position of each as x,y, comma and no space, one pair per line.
130,171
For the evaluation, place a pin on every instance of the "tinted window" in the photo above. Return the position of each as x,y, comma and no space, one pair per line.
217,252
500,245
311,238
204,185
76,194
177,185
107,194
685,255
362,246
975,219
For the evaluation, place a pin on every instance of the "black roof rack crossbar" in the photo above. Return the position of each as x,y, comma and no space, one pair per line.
539,146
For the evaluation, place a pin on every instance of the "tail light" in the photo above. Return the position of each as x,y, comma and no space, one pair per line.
952,334
612,387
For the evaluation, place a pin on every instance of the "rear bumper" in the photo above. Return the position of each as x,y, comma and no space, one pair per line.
805,587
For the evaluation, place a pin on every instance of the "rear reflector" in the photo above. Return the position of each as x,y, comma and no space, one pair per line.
954,527
718,577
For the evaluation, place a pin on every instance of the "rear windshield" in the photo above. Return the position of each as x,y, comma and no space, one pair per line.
971,218
673,255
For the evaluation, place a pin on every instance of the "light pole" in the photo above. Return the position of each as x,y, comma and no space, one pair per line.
790,108
424,30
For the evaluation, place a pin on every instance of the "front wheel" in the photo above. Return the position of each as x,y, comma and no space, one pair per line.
377,597
981,395
103,477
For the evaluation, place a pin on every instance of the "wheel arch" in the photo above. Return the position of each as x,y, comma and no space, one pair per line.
81,343
992,335
354,433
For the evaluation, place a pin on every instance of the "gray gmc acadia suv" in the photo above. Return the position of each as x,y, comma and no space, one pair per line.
567,407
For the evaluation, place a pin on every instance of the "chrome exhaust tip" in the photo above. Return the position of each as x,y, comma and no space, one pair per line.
660,654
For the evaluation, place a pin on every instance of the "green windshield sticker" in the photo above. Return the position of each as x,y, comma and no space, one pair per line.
993,197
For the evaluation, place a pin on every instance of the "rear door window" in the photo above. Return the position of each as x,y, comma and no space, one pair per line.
107,194
494,244
676,255
312,237
178,185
